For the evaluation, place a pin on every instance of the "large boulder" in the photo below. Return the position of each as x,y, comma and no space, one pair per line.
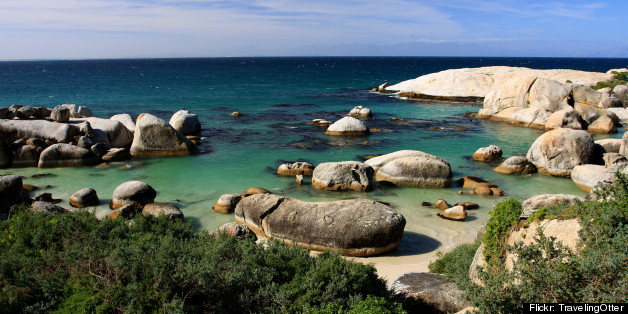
426,171
163,209
135,193
548,94
10,192
86,197
587,177
356,227
236,230
348,126
429,293
343,176
185,122
516,165
26,156
536,202
126,120
295,168
113,132
508,93
488,154
530,117
585,94
558,151
13,130
623,148
154,138
621,92
41,206
66,155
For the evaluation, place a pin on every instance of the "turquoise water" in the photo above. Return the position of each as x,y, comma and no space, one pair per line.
279,97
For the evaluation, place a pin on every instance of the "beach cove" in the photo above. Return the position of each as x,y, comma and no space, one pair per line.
279,96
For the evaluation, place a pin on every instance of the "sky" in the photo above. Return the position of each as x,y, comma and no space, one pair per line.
91,29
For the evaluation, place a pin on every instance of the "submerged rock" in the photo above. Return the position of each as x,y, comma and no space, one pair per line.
558,151
342,176
355,227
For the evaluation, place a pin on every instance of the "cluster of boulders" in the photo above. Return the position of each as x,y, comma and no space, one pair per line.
68,136
127,200
457,212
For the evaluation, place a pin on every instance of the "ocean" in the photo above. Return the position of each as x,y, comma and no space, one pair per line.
279,97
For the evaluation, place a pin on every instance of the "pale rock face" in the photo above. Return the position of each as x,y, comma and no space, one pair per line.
434,290
610,145
621,92
587,177
509,93
623,148
380,161
611,102
55,132
348,126
66,155
453,83
531,117
603,124
536,202
356,227
134,193
621,113
155,138
549,95
587,112
126,120
615,160
185,122
343,176
586,94
558,151
112,132
566,118
516,165
488,154
60,114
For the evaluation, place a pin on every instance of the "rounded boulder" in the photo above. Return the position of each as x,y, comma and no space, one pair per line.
348,126
343,176
84,198
558,151
135,193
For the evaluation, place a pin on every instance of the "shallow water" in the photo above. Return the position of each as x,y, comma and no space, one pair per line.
279,97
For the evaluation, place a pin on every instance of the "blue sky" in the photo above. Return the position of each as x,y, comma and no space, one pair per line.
70,29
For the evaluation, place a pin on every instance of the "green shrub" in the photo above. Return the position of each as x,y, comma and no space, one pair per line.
455,263
503,217
76,263
548,272
620,78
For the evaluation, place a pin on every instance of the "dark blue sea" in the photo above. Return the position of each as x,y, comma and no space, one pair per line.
279,96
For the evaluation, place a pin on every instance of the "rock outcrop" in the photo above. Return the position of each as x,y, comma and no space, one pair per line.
112,132
343,176
155,138
134,193
13,130
412,168
558,151
355,227
587,177
347,126
536,202
66,155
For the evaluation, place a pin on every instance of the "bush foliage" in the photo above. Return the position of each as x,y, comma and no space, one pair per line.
546,271
455,263
76,263
620,78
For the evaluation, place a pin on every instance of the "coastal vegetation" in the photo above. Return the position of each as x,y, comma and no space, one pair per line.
546,270
74,262
620,78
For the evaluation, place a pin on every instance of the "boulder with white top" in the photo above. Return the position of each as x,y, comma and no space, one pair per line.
348,126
